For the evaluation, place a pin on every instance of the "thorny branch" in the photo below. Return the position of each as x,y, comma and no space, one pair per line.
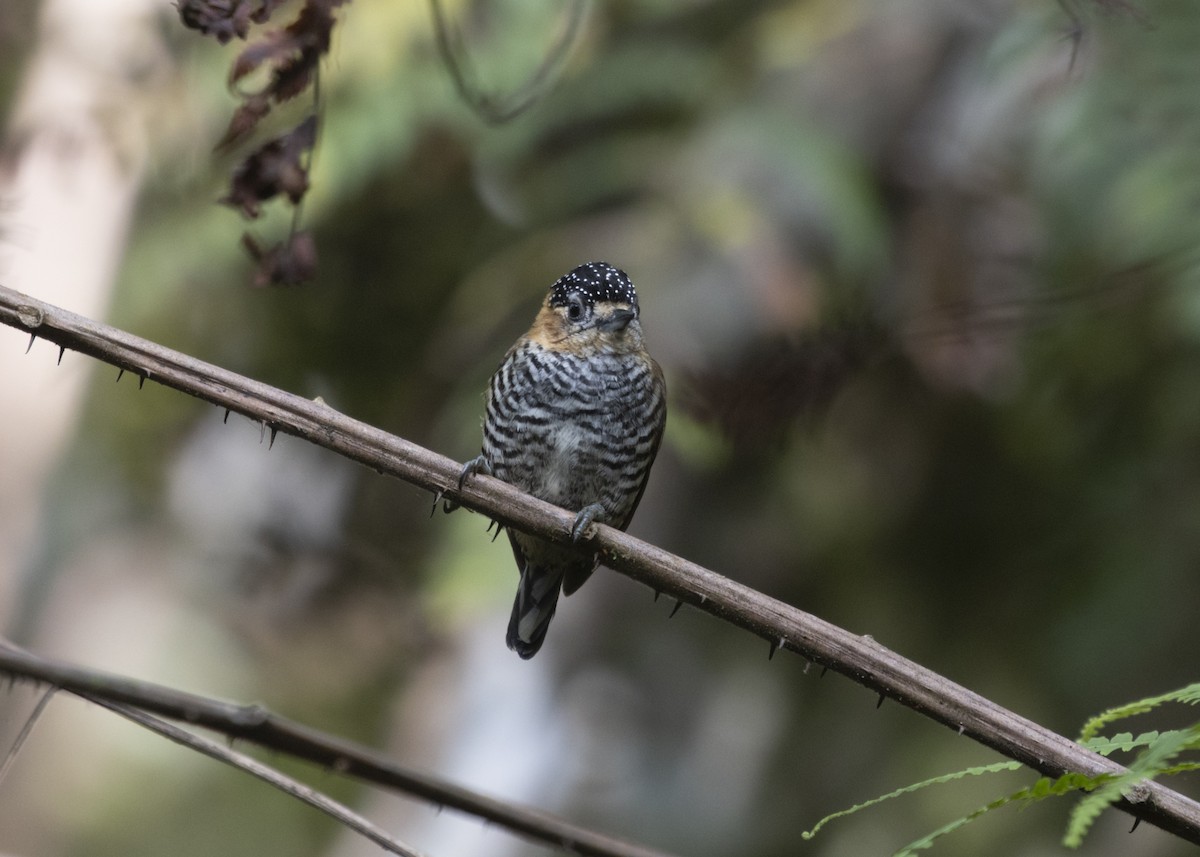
859,657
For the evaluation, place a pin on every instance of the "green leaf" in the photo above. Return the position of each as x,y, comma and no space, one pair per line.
1145,767
944,778
1043,788
1189,695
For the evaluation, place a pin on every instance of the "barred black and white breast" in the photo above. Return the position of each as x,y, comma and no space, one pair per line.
574,416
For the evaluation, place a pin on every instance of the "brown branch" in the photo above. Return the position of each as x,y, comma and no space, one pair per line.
860,658
288,785
257,725
26,730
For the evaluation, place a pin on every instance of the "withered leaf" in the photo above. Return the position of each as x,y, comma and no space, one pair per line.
274,168
294,75
222,19
289,60
314,24
294,51
265,8
274,46
286,263
244,120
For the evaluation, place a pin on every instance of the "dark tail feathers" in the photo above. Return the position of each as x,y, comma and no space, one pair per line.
537,597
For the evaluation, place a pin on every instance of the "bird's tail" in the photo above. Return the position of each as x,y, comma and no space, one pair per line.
537,597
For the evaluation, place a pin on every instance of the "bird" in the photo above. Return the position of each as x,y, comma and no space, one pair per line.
574,415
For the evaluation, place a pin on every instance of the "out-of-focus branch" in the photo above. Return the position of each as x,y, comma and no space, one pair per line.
858,657
493,107
289,786
257,725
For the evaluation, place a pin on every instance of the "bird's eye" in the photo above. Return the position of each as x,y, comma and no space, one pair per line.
575,308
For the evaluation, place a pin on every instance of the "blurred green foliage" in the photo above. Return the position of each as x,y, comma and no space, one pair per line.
923,279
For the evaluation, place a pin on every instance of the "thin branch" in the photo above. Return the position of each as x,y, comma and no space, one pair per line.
860,658
496,108
26,731
339,812
256,725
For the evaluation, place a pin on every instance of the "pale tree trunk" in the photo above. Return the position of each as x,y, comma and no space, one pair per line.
69,175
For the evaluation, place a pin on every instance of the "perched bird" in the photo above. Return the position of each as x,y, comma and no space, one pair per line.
574,416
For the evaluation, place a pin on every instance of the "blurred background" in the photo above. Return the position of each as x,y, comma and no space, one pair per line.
922,276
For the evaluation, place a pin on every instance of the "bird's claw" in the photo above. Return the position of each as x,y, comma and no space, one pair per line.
478,464
584,520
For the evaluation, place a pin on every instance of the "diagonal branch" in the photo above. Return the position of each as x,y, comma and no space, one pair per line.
860,658
266,773
26,730
257,725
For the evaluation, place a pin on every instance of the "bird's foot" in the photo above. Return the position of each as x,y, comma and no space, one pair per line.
478,464
584,520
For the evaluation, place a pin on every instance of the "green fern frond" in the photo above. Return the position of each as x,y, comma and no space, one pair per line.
1150,763
927,841
1157,750
1043,788
1189,695
1123,741
944,778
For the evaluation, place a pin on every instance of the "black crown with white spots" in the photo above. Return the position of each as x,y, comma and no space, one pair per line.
596,281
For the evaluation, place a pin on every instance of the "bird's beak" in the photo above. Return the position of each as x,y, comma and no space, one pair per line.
618,319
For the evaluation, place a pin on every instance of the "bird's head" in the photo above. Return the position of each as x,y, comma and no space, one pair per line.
594,308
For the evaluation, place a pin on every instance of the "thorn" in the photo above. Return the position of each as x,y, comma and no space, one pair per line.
656,594
32,339
675,609
262,430
774,647
225,419
807,666
437,495
141,381
1136,822
879,704
62,349
703,598
823,671
271,443
120,375
961,729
